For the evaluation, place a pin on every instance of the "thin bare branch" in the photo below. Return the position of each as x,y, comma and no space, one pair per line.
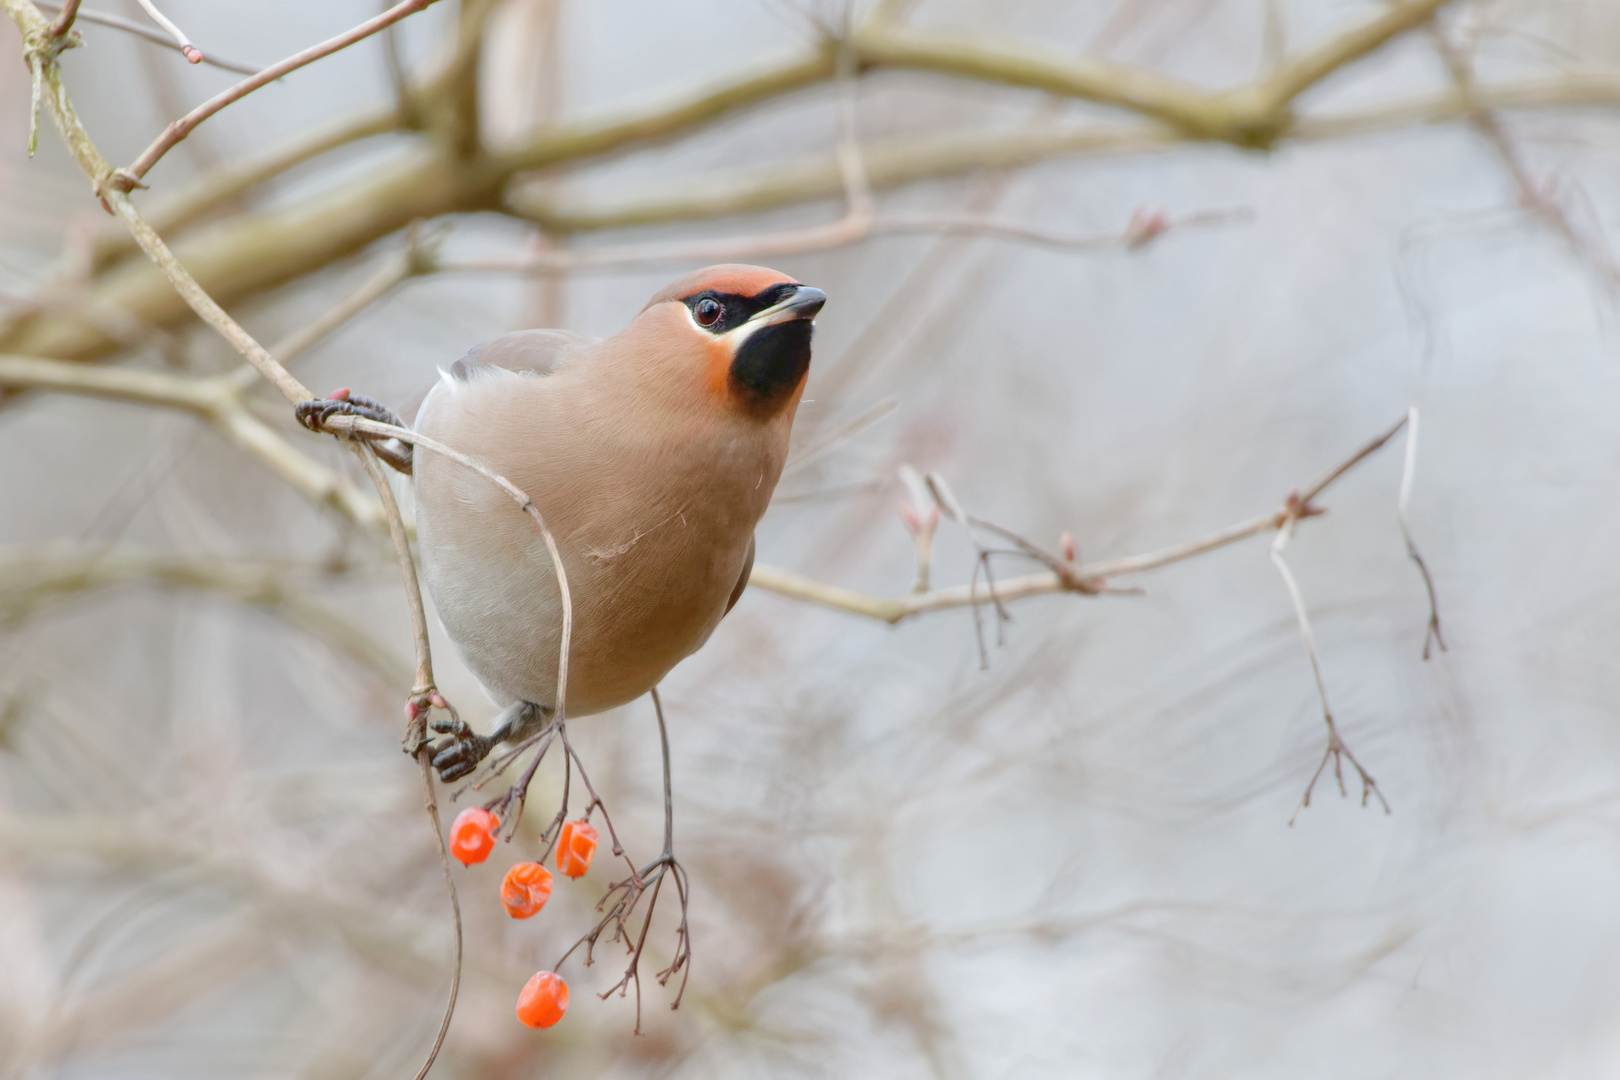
156,37
1337,751
34,577
1084,578
192,53
424,693
64,21
361,426
336,223
131,176
216,400
1431,634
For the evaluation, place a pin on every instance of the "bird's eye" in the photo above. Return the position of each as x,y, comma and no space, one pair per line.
708,311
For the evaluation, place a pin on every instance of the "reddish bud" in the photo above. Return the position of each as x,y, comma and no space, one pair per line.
340,394
192,53
1144,226
1066,545
543,1001
525,889
576,844
472,835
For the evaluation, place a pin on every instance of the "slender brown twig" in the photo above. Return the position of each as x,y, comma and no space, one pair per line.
130,177
192,53
64,21
114,22
95,166
1431,634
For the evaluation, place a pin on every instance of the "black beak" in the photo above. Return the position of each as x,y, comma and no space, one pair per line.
803,303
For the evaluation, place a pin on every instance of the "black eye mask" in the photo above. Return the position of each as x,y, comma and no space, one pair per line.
734,309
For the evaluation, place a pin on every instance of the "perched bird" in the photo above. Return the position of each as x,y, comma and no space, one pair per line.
651,455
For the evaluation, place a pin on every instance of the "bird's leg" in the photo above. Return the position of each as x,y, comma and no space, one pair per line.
314,414
460,754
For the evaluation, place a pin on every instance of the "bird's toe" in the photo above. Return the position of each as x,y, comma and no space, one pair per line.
460,757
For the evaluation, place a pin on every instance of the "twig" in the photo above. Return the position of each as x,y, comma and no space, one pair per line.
895,609
417,258
117,23
64,21
192,53
396,74
1408,473
336,223
624,896
947,499
218,401
1337,751
423,696
33,577
1534,198
362,426
95,166
131,176
920,516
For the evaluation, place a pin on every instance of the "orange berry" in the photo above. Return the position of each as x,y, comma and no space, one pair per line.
472,835
543,1001
575,846
525,889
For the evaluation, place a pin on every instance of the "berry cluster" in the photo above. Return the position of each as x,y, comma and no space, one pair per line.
524,891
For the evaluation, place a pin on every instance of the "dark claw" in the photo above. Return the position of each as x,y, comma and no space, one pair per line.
315,413
457,757
452,725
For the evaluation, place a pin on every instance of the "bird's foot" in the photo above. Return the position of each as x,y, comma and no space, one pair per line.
315,413
460,754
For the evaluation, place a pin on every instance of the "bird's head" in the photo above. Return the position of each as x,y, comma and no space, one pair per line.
741,332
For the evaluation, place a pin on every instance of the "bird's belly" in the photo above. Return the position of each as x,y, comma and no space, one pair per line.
639,607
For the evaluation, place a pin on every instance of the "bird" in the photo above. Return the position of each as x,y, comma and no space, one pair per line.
651,455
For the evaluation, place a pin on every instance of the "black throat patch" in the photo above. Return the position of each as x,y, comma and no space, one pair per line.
770,365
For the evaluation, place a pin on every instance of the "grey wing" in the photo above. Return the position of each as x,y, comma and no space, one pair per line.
536,352
524,354
742,581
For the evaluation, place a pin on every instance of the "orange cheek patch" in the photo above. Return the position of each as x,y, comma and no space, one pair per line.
717,370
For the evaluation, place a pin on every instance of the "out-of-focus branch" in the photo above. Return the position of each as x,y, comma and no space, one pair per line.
192,201
418,257
216,400
130,177
1254,115
888,164
424,694
854,227
256,251
33,577
1535,198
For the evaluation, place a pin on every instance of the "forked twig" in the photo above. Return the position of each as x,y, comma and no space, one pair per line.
1337,751
946,498
1408,472
624,896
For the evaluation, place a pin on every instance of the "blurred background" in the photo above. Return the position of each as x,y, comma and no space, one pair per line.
1076,861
